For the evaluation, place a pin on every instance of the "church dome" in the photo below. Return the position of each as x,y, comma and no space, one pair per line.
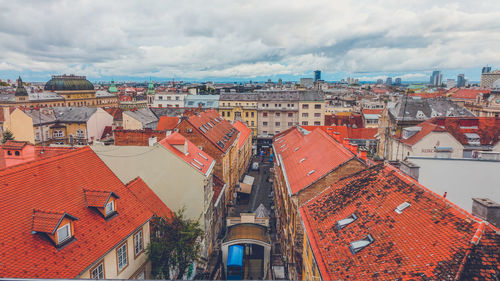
68,83
20,90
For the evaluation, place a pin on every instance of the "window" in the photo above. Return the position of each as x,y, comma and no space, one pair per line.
359,245
9,152
246,114
264,133
305,123
37,136
223,114
138,243
169,98
252,123
317,114
264,123
110,208
121,254
251,114
229,114
278,124
176,98
223,104
58,134
264,114
275,105
345,222
290,114
317,123
317,106
17,153
290,124
63,233
277,114
98,271
305,114
276,132
79,133
305,106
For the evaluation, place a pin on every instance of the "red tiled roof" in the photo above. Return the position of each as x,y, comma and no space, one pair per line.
430,239
347,132
57,183
488,128
245,132
218,129
147,196
308,156
167,123
371,111
116,112
12,144
427,128
195,157
37,153
107,132
468,94
97,198
47,221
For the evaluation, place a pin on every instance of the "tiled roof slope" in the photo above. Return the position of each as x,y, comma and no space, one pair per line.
308,156
149,198
488,128
426,129
167,123
116,112
217,130
429,240
194,156
467,94
347,132
245,132
57,183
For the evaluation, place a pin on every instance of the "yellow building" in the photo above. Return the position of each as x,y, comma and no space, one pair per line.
311,108
63,90
240,106
310,270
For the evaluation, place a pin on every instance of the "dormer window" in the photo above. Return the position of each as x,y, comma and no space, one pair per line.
103,201
57,226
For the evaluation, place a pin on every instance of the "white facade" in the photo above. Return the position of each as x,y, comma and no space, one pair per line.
435,144
169,99
96,124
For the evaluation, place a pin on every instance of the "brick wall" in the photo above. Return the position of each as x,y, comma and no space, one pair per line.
137,137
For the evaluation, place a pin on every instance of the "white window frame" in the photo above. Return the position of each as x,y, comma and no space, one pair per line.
100,272
138,243
122,257
112,204
59,239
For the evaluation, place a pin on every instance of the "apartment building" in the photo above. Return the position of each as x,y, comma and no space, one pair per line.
277,111
240,106
311,108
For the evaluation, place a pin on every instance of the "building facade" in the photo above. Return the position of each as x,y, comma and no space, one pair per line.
240,106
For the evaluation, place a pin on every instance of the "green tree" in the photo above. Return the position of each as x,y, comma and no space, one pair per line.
175,245
7,135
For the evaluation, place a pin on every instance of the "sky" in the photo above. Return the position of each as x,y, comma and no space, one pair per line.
241,40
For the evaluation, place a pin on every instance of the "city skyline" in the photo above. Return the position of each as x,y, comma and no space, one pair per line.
229,41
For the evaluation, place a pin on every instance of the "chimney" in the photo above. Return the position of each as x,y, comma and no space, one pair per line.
487,210
152,140
409,168
363,154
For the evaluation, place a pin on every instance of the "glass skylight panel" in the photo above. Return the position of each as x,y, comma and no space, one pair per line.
399,209
359,245
345,222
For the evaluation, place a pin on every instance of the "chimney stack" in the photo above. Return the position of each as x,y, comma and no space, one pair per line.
487,210
152,140
409,168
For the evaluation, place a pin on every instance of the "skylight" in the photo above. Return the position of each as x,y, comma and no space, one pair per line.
345,222
359,245
311,172
302,160
198,162
297,148
399,209
282,145
203,130
194,164
203,156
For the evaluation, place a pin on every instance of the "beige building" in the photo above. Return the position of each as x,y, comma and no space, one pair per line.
179,173
138,119
311,109
277,111
487,79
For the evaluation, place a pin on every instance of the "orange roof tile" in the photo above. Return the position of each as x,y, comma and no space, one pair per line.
167,123
245,132
190,153
429,239
216,129
147,196
98,198
11,144
303,163
47,221
57,183
371,111
468,94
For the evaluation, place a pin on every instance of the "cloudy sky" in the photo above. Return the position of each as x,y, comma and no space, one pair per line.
228,40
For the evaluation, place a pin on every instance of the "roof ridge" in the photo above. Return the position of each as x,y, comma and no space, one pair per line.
132,181
36,162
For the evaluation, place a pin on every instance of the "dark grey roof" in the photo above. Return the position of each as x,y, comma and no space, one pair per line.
279,96
45,116
312,96
7,98
168,111
143,115
429,107
74,114
238,96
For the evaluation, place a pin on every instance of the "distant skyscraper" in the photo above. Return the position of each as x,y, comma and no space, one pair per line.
397,81
436,78
388,81
460,80
486,69
317,75
380,81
